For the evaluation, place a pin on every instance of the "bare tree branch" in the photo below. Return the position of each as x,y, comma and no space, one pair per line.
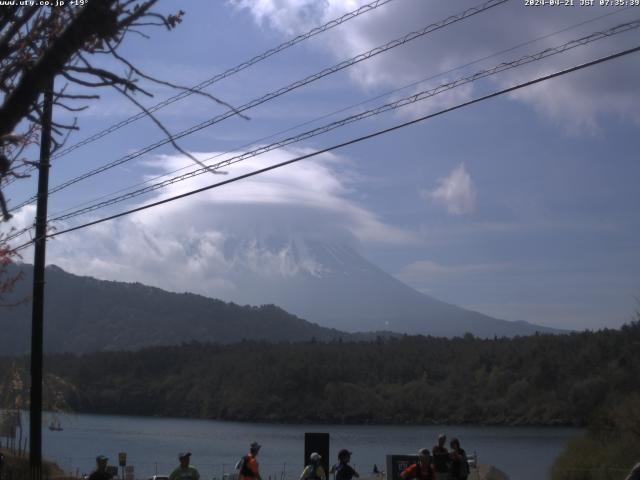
173,85
168,133
95,19
38,44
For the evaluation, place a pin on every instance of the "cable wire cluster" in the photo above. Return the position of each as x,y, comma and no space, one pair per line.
344,144
220,76
344,109
227,73
277,93
423,95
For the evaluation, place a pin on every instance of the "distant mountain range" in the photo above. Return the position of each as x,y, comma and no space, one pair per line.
83,314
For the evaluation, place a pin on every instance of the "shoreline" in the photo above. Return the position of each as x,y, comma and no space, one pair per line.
216,445
311,422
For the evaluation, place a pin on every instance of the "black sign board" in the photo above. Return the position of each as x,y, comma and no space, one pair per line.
317,442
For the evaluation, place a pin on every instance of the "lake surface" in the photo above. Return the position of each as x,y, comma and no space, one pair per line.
152,444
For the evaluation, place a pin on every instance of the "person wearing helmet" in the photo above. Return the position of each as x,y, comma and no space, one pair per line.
314,470
422,469
248,468
342,470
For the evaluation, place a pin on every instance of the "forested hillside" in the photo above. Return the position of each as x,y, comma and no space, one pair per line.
87,315
542,379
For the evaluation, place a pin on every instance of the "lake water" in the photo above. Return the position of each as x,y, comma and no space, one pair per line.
152,444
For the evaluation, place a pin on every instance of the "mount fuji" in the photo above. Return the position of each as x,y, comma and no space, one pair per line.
332,285
296,289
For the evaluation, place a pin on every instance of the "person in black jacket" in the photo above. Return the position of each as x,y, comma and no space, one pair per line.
100,472
459,463
342,470
440,459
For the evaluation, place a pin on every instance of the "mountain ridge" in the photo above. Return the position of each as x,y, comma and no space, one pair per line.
85,314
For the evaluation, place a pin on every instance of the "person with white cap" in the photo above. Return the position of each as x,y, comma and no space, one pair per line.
185,471
100,473
314,470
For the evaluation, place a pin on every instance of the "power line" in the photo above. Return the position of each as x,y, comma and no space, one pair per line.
352,106
344,144
220,76
231,71
353,118
548,52
473,62
277,93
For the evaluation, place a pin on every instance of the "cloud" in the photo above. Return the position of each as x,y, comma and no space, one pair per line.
294,17
456,192
262,225
573,102
424,275
429,268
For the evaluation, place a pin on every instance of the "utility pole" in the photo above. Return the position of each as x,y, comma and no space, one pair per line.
35,408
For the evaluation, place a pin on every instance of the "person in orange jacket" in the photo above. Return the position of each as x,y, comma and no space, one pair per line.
422,469
248,466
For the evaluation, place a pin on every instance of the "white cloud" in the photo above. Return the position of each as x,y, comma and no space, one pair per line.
431,269
422,273
262,225
294,16
456,192
574,103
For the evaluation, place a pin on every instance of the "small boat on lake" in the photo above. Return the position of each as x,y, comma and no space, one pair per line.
55,425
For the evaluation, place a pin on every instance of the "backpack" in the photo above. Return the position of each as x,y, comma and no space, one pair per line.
314,473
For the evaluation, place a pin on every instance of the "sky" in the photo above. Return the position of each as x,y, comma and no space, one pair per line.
523,207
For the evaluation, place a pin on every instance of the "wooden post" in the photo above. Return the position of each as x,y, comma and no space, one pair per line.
35,407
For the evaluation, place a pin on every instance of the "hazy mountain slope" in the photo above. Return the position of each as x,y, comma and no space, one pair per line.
84,314
332,285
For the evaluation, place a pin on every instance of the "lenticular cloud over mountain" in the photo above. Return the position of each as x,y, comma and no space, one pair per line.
197,243
292,237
